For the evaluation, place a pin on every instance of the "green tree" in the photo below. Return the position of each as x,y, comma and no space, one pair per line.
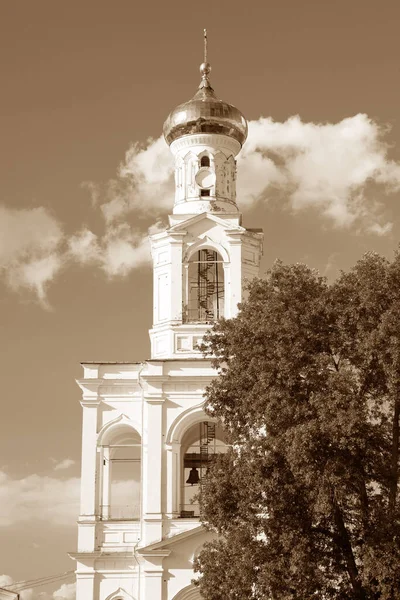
306,500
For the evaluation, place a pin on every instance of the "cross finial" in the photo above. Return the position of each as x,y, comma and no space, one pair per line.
205,67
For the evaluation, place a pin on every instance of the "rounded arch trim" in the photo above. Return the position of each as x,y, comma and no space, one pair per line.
187,418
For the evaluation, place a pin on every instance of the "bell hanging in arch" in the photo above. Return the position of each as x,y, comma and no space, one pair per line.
193,478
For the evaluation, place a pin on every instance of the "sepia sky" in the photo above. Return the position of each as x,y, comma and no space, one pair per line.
84,86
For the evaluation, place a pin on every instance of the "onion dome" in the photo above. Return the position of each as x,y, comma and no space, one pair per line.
204,113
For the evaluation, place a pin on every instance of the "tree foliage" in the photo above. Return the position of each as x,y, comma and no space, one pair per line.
306,500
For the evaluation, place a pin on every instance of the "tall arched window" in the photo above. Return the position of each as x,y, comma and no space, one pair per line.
205,161
121,476
199,445
205,289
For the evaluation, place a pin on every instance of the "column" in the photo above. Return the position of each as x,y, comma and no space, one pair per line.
173,480
88,516
85,586
105,483
89,456
152,456
153,574
236,283
176,277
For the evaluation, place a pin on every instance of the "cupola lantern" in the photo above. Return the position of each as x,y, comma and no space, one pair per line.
205,135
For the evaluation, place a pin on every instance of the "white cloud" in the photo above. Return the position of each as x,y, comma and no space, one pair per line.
35,274
26,232
55,501
124,250
29,246
34,255
63,464
84,246
67,591
5,580
120,250
325,166
380,230
333,168
39,498
144,182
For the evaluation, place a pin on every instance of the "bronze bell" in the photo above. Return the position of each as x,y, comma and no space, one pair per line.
193,478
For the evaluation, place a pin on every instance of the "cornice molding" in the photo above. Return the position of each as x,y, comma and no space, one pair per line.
210,140
90,402
154,553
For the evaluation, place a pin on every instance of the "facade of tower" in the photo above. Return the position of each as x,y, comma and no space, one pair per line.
146,439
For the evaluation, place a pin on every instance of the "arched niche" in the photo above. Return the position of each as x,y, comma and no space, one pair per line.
204,284
181,434
112,429
191,168
206,159
200,444
120,451
205,243
183,421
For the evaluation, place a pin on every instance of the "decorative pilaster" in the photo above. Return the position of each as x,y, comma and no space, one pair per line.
235,275
152,469
173,481
89,457
153,574
85,585
89,470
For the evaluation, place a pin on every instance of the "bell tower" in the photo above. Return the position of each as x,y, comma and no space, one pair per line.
146,441
202,261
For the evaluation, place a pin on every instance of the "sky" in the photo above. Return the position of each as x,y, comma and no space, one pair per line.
84,176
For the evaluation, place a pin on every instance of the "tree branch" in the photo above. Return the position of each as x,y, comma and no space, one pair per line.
345,544
395,455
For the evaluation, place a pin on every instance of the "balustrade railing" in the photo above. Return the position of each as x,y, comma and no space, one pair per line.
190,511
127,512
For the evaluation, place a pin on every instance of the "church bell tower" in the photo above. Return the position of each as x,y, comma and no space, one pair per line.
146,440
203,259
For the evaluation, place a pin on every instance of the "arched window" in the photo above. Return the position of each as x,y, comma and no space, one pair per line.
121,476
205,161
199,445
205,290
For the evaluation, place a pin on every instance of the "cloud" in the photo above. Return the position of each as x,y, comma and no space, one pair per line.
34,249
27,231
144,183
117,252
328,167
29,247
40,498
336,169
64,464
55,501
5,580
380,230
324,166
35,274
84,246
67,591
